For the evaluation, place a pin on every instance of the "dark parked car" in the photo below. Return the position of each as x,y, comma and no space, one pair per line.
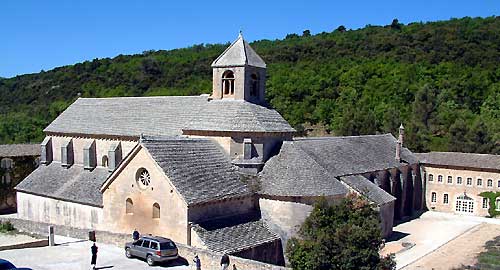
152,248
6,265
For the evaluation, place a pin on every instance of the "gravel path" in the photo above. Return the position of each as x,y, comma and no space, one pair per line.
462,250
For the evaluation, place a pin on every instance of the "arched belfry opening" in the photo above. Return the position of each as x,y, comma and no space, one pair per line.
228,83
239,73
254,85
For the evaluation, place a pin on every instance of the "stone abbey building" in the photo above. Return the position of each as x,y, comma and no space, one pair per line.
221,171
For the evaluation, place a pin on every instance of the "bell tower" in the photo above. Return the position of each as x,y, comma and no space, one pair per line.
239,73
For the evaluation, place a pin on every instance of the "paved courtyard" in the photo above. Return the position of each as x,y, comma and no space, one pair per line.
431,231
74,254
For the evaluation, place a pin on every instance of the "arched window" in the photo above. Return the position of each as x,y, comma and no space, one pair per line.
228,83
440,178
433,197
6,163
104,162
129,206
490,183
156,210
431,177
254,85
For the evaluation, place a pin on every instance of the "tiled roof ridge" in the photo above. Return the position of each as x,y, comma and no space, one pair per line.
341,137
140,97
464,153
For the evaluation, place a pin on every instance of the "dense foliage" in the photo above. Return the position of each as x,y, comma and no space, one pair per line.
441,79
492,199
341,236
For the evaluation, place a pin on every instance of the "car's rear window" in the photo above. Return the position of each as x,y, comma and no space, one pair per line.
167,245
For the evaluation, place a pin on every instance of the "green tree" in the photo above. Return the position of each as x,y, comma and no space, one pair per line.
341,236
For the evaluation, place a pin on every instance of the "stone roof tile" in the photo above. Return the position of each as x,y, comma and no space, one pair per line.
239,53
73,184
128,116
19,150
197,168
469,160
368,189
238,115
233,234
294,173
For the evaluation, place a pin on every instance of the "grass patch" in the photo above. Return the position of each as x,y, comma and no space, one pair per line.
490,259
6,227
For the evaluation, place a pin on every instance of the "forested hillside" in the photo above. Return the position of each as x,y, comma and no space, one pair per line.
440,79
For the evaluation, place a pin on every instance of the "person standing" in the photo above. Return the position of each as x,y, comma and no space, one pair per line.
197,262
135,235
93,249
224,262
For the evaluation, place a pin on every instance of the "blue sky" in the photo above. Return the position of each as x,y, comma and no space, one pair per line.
36,35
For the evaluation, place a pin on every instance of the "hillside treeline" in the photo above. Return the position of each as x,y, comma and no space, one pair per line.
440,79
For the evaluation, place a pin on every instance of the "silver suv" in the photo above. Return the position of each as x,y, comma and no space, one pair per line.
152,248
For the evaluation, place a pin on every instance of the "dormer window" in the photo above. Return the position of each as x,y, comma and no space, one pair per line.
228,83
254,85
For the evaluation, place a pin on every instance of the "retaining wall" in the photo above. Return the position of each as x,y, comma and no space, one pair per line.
209,259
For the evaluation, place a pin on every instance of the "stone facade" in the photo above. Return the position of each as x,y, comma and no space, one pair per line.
446,189
172,220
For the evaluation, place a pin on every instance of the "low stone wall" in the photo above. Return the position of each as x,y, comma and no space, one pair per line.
209,259
32,244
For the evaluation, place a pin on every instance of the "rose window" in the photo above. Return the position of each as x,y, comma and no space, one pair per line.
143,178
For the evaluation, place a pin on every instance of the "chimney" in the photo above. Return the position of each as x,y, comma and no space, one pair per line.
401,134
398,151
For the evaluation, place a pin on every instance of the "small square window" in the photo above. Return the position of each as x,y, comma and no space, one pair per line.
450,180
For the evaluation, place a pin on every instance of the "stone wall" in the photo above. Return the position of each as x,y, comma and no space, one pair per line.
43,209
102,146
209,259
386,212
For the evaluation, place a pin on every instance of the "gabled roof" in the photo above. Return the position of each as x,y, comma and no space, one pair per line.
73,184
469,160
239,54
313,166
368,189
164,116
237,116
128,116
349,155
19,150
197,168
233,234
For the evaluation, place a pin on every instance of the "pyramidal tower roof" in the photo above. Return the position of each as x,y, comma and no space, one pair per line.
239,54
